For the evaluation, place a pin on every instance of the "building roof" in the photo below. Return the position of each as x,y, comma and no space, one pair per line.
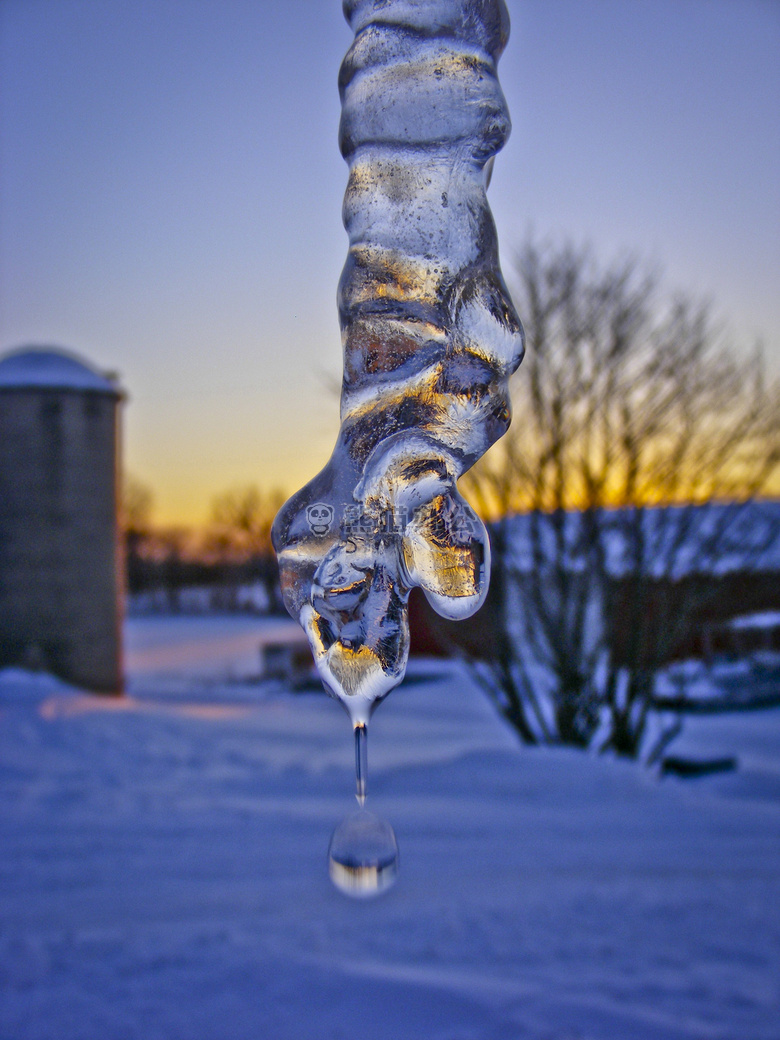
52,369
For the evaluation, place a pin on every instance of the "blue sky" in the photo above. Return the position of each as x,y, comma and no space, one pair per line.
170,196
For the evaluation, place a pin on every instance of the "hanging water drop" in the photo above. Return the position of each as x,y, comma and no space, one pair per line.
363,852
363,855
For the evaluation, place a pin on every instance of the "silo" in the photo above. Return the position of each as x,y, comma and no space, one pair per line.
61,586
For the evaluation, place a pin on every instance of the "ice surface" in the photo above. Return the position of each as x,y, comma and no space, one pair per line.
430,339
161,871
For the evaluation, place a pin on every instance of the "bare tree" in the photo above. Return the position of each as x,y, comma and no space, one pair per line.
135,522
241,521
241,533
640,436
136,505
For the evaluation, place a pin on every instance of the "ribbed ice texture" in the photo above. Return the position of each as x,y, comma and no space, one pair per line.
430,339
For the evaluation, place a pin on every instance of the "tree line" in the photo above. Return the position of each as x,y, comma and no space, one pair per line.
234,548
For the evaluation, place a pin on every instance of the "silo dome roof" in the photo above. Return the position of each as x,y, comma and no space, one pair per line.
51,369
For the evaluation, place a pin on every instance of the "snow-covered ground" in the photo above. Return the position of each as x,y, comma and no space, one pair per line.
163,866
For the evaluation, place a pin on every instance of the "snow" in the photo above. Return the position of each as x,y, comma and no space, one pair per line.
736,678
163,865
677,539
180,649
51,369
761,619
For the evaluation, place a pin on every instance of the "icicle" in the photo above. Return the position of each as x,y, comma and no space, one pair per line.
430,339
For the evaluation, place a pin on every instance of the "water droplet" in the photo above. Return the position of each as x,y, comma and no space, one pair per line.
363,855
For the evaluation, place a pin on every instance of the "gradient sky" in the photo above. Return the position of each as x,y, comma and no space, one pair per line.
170,197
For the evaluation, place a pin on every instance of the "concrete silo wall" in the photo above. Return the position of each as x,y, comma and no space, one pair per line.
60,574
